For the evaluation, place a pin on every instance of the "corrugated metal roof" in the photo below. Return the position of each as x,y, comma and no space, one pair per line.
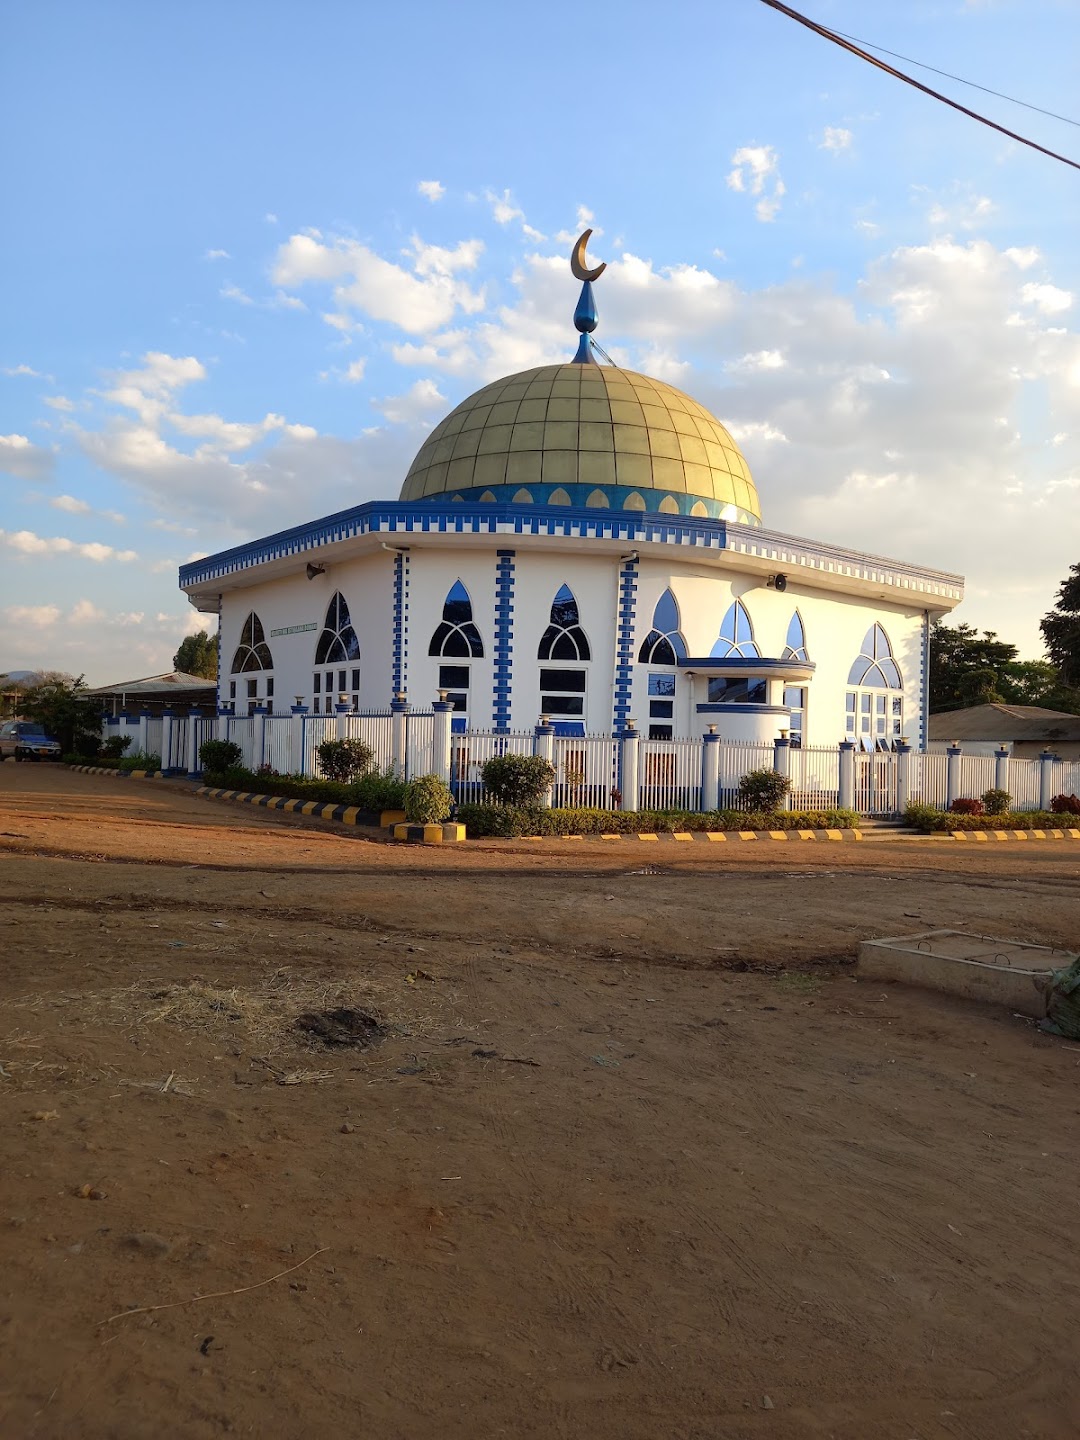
1004,722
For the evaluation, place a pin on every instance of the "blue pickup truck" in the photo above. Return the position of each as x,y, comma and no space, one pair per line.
26,740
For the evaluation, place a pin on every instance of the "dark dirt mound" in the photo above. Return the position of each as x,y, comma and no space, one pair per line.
358,1028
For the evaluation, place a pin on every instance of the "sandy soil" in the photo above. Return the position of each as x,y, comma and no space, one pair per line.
637,1156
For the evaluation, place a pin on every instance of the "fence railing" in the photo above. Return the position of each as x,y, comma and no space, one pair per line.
589,769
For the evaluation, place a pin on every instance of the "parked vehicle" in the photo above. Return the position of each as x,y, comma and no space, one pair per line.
26,740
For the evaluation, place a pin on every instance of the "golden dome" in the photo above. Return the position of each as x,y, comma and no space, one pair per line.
586,435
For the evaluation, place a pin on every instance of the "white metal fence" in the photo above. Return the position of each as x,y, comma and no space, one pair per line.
815,778
589,769
670,775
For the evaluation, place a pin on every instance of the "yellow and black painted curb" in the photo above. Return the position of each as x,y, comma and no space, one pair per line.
712,836
119,774
448,834
320,810
985,836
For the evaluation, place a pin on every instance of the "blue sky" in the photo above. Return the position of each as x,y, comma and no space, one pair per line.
256,249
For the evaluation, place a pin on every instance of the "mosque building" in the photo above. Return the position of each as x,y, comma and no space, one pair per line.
585,543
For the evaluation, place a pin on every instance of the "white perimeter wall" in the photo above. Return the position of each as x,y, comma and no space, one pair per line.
835,626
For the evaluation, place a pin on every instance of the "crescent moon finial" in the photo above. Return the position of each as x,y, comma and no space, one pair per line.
577,260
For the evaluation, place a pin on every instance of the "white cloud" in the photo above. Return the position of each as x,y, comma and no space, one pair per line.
431,190
419,402
70,504
38,617
85,612
1047,299
416,301
756,171
59,402
233,292
355,372
24,370
25,542
217,255
960,209
24,460
503,208
1023,256
758,360
270,218
836,138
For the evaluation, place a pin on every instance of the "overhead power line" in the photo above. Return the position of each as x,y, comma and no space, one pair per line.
844,44
974,84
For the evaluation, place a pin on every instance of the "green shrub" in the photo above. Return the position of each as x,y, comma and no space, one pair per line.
932,821
139,761
219,754
921,816
518,779
428,800
374,792
762,791
345,760
996,802
114,747
512,822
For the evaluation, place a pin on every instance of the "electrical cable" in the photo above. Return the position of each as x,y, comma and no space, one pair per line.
832,35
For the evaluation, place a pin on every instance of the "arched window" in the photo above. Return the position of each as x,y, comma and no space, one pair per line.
457,639
564,638
795,645
736,638
875,665
664,643
337,646
252,657
874,716
562,688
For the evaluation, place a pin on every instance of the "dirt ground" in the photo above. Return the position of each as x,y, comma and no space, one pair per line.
636,1155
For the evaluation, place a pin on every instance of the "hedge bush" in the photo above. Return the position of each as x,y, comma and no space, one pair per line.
428,801
517,779
114,747
931,821
219,755
964,806
516,821
996,802
345,760
376,791
761,791
139,761
104,761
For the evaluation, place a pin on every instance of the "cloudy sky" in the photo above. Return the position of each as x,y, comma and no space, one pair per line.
255,249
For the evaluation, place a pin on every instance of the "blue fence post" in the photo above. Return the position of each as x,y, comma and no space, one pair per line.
952,774
782,762
629,763
710,770
1001,767
1046,761
847,775
440,739
544,746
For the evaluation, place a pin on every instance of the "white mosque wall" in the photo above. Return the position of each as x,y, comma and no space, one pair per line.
834,624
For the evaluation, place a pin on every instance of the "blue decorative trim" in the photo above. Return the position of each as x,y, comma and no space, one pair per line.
504,637
624,643
217,692
924,679
389,518
743,664
721,709
400,664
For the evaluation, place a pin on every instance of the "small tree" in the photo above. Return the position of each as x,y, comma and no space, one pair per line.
115,746
518,779
762,791
345,760
428,800
218,755
60,704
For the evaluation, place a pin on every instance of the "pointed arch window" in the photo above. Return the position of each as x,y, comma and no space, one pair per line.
564,639
736,638
795,645
563,687
664,644
337,646
457,640
253,659
875,665
874,717
252,653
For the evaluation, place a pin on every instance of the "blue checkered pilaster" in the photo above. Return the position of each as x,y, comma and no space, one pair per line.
504,638
401,623
924,682
217,693
624,650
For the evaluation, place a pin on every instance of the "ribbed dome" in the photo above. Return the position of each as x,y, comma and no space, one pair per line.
586,435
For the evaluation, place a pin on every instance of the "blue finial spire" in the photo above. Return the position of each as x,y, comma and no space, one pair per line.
585,316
